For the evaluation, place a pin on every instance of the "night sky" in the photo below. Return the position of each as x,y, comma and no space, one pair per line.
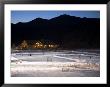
26,16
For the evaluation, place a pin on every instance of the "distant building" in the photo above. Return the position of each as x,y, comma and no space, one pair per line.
24,45
33,44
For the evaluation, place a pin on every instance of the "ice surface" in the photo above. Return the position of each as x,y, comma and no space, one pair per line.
62,63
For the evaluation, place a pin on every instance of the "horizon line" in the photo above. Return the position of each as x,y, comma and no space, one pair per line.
54,17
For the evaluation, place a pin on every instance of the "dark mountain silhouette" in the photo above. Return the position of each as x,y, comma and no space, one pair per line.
65,30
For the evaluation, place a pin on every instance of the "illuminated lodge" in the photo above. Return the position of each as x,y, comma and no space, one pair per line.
32,44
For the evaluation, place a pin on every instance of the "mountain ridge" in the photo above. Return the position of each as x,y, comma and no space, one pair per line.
68,31
54,18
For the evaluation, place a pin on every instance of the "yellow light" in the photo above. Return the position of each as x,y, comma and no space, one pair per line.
51,45
40,45
37,43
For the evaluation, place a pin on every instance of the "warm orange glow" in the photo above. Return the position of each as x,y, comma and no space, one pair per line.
41,45
38,44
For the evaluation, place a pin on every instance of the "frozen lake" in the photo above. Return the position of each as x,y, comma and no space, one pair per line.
61,63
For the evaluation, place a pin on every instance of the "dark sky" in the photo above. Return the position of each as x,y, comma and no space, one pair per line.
25,16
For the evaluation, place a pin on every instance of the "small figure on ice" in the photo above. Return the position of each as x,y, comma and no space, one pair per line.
30,55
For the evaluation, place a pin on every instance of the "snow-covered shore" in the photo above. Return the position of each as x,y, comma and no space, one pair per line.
56,69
